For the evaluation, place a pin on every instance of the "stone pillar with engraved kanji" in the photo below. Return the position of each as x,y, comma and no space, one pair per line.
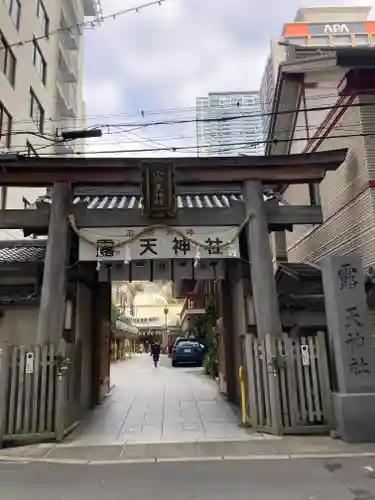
352,353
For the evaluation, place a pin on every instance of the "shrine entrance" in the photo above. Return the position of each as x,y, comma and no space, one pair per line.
187,220
195,259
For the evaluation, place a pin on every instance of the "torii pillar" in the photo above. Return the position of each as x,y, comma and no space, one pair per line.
263,286
53,299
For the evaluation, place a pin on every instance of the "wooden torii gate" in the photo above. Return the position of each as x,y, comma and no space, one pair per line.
252,173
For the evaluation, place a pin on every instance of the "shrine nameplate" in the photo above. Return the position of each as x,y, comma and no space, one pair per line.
158,189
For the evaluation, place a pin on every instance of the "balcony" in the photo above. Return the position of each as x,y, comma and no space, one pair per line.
63,149
66,99
68,65
91,8
194,305
69,40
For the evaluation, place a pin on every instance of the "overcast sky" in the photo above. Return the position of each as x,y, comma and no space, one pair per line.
165,56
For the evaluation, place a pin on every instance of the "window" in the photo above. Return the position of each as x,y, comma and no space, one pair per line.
319,41
5,126
296,40
362,39
249,102
14,9
42,17
314,193
39,62
7,61
36,111
342,40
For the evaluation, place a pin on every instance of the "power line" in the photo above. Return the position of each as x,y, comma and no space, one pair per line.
181,148
140,125
239,117
350,127
78,26
188,109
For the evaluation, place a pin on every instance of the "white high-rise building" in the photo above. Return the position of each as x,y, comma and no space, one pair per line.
41,74
315,28
229,124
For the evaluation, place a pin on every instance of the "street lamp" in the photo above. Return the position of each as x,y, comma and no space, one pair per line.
71,135
166,312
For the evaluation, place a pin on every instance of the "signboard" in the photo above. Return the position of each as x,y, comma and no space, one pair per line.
29,363
161,243
316,29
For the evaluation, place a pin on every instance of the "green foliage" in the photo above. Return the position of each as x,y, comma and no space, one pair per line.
115,315
135,288
206,324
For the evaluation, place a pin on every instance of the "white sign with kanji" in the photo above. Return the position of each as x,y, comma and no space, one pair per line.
161,243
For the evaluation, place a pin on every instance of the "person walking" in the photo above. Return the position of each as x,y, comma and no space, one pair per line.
155,352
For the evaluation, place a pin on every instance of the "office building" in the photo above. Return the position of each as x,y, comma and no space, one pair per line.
40,77
315,29
229,124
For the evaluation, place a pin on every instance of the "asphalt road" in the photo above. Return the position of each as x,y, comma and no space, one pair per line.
303,479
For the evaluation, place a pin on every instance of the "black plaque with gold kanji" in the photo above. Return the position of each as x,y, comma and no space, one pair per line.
158,189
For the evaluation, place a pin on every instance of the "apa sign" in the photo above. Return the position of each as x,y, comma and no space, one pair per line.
336,28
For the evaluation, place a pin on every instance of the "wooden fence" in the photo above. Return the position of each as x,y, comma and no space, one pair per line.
288,384
38,392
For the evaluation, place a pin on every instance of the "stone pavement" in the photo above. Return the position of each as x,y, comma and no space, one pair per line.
149,404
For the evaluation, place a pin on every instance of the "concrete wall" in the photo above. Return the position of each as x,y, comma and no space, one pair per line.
18,325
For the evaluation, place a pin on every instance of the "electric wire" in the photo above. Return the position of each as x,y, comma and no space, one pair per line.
77,26
191,109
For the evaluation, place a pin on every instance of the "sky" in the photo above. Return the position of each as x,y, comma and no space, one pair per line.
151,65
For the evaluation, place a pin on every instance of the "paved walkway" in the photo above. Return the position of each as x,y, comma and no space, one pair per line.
161,404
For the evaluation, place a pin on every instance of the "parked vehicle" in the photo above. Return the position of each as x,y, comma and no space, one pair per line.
187,351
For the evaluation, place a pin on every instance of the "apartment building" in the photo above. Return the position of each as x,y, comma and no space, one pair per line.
315,29
219,135
41,74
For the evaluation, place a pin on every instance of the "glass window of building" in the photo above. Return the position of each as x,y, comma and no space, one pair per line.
342,39
296,40
248,102
5,126
236,101
39,62
362,39
36,111
7,61
42,16
14,9
319,40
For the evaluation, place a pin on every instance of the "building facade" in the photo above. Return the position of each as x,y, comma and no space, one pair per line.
41,72
229,124
319,28
345,120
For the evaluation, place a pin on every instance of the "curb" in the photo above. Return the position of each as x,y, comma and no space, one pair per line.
71,461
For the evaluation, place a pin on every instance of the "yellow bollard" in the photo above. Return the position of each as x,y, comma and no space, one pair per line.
241,374
115,351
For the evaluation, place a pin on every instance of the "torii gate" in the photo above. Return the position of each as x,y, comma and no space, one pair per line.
258,216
